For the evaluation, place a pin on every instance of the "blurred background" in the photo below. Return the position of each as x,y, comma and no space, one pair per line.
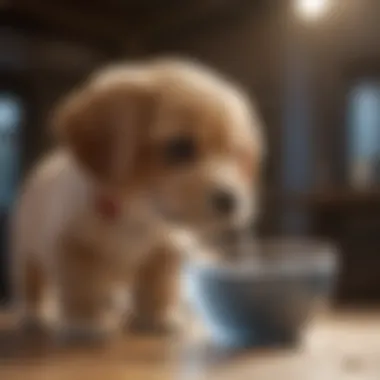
312,66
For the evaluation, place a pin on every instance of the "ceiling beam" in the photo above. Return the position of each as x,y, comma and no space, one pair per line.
127,25
215,18
131,27
100,30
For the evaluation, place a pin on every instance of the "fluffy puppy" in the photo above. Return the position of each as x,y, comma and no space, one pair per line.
145,150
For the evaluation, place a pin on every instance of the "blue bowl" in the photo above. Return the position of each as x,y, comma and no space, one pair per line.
267,301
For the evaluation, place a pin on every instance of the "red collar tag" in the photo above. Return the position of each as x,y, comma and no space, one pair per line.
107,207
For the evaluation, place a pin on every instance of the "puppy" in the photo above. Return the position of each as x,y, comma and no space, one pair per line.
145,151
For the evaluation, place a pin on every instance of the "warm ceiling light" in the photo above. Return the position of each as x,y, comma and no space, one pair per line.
311,9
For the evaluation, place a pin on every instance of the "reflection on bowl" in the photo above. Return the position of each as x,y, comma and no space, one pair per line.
267,300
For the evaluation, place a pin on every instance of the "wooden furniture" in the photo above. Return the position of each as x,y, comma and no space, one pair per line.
352,220
336,347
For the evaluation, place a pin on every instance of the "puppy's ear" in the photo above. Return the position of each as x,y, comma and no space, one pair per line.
105,128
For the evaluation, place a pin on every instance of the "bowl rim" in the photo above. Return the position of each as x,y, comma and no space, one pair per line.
323,260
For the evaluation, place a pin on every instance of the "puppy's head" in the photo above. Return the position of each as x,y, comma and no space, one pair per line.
174,130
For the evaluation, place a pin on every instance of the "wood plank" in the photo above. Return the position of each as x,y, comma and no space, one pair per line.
336,347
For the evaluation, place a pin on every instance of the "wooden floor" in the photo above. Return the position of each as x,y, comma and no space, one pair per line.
336,347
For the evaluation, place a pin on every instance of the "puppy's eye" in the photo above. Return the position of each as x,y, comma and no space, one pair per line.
181,150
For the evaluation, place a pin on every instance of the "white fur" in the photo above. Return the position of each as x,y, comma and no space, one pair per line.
59,198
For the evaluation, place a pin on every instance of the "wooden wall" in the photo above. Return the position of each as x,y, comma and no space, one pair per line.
297,72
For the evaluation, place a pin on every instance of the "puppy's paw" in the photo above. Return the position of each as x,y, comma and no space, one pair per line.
152,326
31,324
83,333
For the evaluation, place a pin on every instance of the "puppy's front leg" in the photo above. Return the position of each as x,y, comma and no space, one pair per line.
156,291
87,285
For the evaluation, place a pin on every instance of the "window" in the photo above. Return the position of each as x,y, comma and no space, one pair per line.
11,114
364,134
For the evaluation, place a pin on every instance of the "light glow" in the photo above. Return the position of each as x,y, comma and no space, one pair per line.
311,9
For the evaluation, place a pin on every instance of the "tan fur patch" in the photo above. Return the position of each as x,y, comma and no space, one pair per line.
106,130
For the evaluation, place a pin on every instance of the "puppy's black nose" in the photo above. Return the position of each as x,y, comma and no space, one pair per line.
223,202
